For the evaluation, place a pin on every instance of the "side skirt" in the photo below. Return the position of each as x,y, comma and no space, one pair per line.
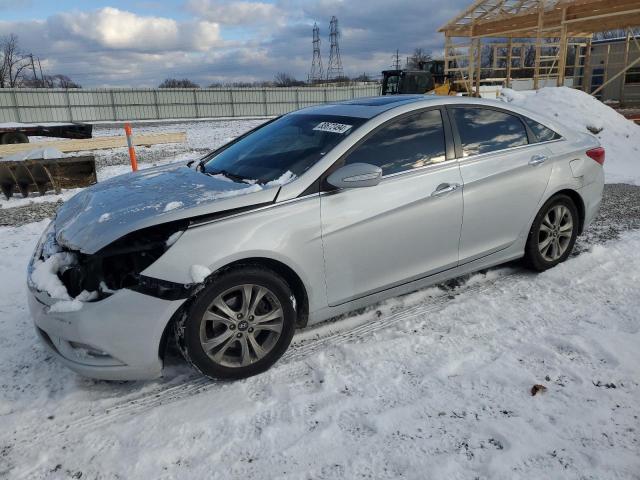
514,252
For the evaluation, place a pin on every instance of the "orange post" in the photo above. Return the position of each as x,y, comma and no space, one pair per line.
132,151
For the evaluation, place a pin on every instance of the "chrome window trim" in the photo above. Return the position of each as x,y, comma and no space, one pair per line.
384,177
519,147
419,169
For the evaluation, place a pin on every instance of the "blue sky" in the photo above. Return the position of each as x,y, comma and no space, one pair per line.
141,42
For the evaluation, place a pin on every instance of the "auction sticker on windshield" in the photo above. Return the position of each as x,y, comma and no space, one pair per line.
332,127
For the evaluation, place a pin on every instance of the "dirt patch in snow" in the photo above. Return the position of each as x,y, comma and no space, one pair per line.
35,212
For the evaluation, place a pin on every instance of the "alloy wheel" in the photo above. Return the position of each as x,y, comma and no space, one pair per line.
241,325
556,231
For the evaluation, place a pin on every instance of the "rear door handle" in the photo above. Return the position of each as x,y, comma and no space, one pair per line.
445,188
538,159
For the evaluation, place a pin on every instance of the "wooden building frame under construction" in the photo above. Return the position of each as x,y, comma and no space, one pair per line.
491,38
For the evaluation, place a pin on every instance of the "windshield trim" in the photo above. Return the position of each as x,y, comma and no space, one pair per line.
222,148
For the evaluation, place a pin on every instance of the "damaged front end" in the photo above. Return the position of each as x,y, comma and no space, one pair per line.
114,267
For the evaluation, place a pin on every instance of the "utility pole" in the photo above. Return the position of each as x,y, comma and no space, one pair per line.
33,68
41,75
396,60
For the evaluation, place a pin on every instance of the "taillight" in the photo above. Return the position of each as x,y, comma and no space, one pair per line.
597,154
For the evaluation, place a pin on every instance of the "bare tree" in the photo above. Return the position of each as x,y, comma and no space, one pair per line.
176,83
620,33
418,59
363,77
50,81
13,62
283,79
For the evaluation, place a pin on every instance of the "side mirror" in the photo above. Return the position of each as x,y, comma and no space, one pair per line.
356,175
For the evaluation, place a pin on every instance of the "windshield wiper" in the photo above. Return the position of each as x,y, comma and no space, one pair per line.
201,162
230,176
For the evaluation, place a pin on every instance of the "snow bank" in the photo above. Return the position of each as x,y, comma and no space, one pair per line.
580,111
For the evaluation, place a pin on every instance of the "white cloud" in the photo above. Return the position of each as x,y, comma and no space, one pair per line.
202,35
110,46
235,13
116,29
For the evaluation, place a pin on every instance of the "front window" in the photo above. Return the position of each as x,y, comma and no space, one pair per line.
410,142
292,143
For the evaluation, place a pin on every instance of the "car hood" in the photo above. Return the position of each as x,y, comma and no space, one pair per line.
104,212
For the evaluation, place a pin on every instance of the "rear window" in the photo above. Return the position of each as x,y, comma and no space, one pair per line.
484,130
542,133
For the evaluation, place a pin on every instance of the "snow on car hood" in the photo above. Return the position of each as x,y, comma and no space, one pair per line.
104,212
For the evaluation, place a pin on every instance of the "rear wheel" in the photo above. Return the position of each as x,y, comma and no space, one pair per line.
240,325
14,137
553,234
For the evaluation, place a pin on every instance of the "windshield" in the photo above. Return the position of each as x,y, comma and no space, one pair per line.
292,143
391,86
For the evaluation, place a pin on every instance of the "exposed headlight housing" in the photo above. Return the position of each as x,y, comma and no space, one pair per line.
119,264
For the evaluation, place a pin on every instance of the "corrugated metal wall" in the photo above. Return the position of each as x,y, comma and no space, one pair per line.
90,105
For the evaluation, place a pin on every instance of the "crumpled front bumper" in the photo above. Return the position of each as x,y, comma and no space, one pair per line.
117,338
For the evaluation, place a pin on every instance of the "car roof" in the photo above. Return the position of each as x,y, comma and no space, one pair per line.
369,107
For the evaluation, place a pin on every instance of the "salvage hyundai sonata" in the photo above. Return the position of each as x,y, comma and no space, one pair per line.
311,215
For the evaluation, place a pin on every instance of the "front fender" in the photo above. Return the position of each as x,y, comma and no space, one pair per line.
288,233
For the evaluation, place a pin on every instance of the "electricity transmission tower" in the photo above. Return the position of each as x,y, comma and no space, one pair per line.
334,70
316,65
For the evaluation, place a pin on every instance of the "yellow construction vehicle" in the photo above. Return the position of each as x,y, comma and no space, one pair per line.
429,78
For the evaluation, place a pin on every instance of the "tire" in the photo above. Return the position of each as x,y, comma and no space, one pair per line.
551,239
14,137
216,341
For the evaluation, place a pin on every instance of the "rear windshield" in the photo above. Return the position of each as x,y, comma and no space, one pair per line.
292,143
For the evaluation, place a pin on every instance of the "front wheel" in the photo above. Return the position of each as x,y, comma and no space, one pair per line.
553,234
239,325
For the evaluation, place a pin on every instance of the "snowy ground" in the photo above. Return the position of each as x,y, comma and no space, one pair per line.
431,385
202,137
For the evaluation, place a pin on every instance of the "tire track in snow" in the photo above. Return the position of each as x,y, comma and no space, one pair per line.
291,364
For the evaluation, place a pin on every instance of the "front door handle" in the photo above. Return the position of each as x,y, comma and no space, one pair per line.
538,159
445,188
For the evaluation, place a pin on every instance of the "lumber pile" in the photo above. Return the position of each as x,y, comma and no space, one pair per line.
97,143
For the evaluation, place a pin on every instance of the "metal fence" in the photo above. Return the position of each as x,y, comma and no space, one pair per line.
90,105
